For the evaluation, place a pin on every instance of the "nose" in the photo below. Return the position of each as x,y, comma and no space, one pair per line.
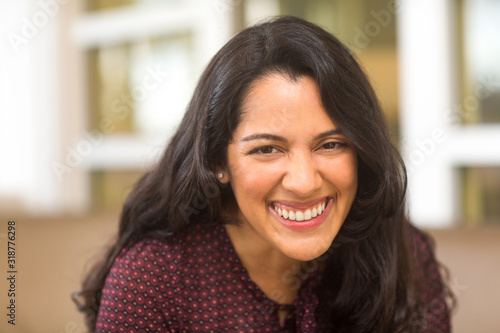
302,176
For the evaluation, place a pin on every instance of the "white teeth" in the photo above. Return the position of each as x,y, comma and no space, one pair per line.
300,215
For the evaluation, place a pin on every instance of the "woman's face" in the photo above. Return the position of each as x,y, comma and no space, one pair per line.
293,174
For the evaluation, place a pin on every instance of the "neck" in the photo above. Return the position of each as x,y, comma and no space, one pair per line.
269,268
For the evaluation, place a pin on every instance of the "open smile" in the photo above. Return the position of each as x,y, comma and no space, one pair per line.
301,217
294,214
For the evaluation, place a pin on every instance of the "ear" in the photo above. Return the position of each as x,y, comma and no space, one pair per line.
222,176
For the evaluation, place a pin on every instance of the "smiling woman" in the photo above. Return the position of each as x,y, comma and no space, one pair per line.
286,163
278,206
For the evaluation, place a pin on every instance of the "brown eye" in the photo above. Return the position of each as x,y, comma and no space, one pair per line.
265,150
330,145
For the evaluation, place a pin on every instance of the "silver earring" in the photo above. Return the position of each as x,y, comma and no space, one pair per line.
220,175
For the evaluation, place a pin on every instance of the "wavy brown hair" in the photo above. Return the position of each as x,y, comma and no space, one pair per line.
371,257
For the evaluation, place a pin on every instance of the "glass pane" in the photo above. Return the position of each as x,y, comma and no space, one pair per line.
162,81
111,187
108,87
481,64
481,200
143,86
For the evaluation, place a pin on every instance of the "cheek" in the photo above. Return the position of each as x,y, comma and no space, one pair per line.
253,181
343,173
350,174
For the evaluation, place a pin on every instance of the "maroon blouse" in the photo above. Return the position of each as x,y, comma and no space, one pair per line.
195,282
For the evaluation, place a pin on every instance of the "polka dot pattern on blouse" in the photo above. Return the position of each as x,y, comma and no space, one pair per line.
195,282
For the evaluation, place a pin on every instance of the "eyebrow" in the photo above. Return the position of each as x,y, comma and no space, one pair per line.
265,137
272,137
328,133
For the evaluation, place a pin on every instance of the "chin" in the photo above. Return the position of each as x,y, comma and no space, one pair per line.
307,250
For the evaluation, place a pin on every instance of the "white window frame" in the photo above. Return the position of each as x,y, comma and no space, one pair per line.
436,145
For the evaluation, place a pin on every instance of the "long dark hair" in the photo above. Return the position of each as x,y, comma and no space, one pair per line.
376,291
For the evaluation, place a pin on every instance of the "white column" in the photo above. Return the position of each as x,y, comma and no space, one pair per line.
29,109
427,90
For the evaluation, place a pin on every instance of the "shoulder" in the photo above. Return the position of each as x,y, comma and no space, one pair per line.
428,272
134,289
144,283
162,257
143,259
171,249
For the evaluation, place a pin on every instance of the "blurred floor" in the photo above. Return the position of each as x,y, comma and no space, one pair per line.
473,259
52,255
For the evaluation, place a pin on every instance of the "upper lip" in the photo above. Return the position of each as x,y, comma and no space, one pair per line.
298,205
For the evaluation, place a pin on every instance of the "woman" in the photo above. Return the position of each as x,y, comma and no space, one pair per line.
278,205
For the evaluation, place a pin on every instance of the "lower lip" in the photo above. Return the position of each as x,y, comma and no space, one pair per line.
304,225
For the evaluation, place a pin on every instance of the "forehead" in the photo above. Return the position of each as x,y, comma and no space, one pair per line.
275,102
272,88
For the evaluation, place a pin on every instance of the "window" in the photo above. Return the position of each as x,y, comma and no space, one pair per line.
143,59
480,93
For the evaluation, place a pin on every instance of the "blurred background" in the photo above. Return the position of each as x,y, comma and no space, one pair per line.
90,92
